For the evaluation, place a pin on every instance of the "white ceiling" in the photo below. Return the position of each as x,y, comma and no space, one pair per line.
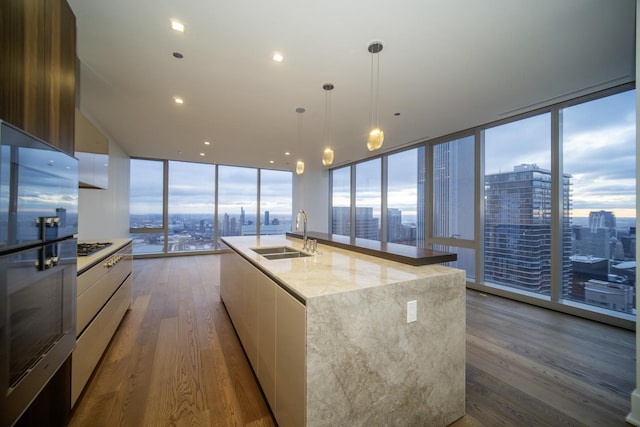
446,66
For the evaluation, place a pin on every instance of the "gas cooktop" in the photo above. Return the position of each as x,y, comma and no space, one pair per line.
85,249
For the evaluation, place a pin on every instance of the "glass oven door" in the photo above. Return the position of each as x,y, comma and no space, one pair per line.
37,321
36,180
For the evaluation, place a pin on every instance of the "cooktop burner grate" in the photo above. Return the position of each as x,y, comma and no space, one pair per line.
85,249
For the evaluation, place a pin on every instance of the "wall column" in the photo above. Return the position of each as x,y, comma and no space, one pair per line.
634,415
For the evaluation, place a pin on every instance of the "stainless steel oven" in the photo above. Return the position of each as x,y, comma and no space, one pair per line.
38,221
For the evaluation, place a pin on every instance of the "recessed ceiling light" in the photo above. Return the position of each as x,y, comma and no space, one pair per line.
271,161
178,26
286,153
178,55
207,143
178,100
278,57
202,154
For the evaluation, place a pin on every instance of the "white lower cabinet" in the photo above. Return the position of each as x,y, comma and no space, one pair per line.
290,360
266,371
104,295
271,325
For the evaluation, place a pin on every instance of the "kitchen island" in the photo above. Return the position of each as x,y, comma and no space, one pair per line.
345,338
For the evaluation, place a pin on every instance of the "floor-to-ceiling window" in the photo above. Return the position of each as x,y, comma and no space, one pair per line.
598,152
539,207
517,204
237,201
454,199
191,207
405,203
175,209
341,201
275,202
146,207
368,199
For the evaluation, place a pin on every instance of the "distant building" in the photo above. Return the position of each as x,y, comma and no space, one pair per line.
367,227
584,269
602,219
341,221
609,295
517,229
394,225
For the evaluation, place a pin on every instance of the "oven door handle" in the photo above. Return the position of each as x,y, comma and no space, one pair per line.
45,261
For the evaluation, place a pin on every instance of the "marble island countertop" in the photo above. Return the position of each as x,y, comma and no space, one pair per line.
331,271
369,341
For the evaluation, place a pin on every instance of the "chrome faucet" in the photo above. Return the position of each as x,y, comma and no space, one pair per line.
304,232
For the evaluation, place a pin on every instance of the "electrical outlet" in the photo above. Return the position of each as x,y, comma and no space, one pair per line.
412,311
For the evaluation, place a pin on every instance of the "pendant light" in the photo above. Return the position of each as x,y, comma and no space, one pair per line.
300,162
376,135
327,154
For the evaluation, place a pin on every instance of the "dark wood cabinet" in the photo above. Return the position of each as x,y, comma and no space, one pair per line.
37,69
37,94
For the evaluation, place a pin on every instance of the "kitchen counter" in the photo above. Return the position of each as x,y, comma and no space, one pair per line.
86,262
392,251
333,270
369,341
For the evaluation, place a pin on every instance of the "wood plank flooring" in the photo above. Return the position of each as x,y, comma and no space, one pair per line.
176,361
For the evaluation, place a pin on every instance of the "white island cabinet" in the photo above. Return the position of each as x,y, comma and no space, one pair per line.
332,338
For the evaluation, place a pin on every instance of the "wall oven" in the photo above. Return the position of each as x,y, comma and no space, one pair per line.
38,221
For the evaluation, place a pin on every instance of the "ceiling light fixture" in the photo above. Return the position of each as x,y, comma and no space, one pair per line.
178,100
327,154
207,143
278,57
376,135
300,162
177,26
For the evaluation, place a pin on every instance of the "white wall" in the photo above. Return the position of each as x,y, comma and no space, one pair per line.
311,193
104,214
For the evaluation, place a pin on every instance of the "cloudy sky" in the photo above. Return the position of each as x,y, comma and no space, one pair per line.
191,189
598,144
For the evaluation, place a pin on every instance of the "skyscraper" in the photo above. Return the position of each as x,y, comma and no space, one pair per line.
517,228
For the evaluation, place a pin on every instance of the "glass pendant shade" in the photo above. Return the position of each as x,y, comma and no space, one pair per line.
375,139
300,167
327,156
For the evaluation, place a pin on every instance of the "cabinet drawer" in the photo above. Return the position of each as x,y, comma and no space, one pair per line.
97,295
96,337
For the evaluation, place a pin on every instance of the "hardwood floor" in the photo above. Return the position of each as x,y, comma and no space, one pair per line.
175,360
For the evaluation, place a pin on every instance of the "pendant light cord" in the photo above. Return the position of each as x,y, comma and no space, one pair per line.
300,131
375,117
371,94
377,89
327,114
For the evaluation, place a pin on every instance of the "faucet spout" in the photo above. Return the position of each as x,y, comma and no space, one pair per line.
302,214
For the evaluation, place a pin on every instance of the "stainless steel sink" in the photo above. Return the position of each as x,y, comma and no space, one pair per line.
279,252
274,250
286,255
